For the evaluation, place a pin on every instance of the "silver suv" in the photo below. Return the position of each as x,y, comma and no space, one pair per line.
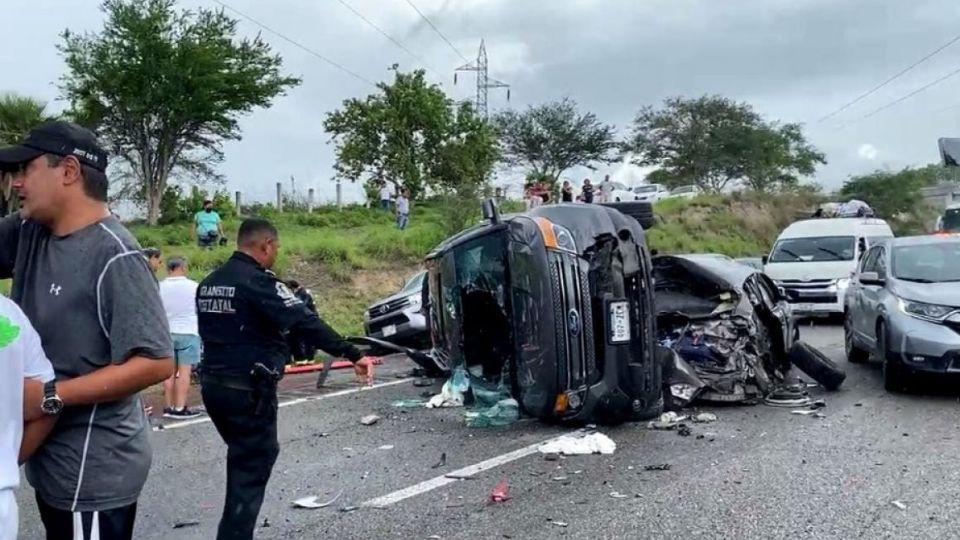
903,305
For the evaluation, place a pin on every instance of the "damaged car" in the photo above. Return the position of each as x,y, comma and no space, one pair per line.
552,307
728,332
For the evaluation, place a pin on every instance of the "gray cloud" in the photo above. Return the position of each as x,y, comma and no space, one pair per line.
794,60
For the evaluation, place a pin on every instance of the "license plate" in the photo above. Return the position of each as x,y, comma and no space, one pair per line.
619,322
804,308
389,330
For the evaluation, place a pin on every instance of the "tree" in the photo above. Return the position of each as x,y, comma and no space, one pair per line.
165,88
713,142
411,134
18,115
892,194
551,138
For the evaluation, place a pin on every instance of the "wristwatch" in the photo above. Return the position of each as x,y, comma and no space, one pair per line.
51,404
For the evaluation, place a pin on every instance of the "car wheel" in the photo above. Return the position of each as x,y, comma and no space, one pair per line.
855,355
894,375
816,364
642,211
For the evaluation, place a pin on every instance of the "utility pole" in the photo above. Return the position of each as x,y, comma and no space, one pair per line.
484,82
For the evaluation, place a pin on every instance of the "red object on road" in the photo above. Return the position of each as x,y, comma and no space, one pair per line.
500,492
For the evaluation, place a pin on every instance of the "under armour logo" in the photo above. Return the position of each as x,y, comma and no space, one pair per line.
55,289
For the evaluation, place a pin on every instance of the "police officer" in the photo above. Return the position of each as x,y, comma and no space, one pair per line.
245,315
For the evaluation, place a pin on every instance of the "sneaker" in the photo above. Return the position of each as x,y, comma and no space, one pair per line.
183,414
169,412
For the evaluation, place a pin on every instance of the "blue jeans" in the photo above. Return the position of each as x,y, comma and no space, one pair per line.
385,204
402,220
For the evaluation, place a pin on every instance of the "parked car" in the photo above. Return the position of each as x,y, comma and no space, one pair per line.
753,262
903,305
685,192
399,318
554,306
651,192
622,193
813,260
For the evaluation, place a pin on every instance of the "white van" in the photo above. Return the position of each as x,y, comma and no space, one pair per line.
812,260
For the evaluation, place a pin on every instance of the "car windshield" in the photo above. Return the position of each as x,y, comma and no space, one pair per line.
951,220
814,249
645,189
928,263
414,284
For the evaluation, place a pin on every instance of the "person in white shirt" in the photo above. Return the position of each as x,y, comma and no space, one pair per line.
606,189
384,195
24,370
178,293
403,209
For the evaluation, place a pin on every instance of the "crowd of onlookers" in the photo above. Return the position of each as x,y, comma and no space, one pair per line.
537,193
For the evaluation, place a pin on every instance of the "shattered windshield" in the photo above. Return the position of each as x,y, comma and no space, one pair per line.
814,249
930,263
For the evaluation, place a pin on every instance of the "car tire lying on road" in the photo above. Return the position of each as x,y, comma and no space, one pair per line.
816,365
642,211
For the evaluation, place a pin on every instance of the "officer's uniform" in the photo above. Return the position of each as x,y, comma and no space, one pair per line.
245,316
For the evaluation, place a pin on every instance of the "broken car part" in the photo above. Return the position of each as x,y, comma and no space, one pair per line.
817,366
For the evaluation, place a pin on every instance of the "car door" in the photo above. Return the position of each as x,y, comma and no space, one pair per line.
870,296
855,293
779,309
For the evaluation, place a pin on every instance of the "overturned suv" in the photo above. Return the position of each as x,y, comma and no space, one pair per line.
555,307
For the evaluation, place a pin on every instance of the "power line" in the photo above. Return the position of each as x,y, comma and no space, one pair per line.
891,79
437,30
383,33
908,96
297,44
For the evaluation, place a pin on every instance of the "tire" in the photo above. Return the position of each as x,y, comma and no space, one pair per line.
855,355
816,365
642,211
894,375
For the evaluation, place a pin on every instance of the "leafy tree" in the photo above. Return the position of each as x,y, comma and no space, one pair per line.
667,178
551,138
892,194
165,89
716,142
18,115
411,134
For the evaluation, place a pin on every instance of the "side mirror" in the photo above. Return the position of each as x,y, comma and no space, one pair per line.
490,211
871,278
782,291
765,259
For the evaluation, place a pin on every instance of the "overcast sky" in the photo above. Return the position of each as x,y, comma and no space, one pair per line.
794,60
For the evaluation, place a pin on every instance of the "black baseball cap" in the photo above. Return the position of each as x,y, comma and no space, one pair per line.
58,138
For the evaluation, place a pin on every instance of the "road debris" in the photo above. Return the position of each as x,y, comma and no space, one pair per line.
500,492
899,505
451,394
617,495
579,444
348,509
809,412
667,420
369,419
409,403
788,396
185,524
558,523
560,478
442,462
421,383
265,524
658,467
684,430
551,457
704,418
314,502
386,447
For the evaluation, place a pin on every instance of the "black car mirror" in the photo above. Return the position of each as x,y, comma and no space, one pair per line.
871,278
490,211
765,259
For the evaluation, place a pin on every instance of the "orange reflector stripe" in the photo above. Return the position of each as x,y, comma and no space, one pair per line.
561,404
546,229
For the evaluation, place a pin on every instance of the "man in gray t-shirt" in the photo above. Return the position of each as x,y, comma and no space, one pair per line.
79,276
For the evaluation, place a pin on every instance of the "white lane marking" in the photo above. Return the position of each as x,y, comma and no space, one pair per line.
443,480
298,401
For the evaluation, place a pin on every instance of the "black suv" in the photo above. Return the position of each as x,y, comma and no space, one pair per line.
554,304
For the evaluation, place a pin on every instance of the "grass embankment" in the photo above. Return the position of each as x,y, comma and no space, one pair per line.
352,257
742,224
348,258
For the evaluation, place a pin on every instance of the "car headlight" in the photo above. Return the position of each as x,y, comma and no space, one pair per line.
416,301
842,283
556,236
921,310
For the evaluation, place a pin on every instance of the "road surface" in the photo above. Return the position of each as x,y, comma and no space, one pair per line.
758,472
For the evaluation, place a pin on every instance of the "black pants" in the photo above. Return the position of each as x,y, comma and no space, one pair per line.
113,524
252,448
